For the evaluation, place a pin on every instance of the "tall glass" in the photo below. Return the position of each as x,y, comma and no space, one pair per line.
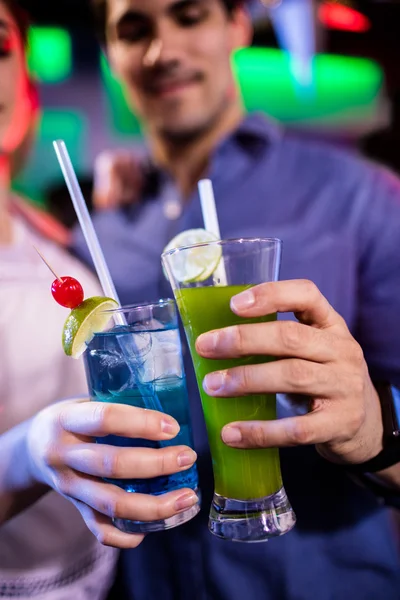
250,502
140,364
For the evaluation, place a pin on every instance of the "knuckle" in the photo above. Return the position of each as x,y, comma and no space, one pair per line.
63,484
50,456
242,379
161,508
310,289
161,462
355,421
101,415
326,378
159,511
260,291
258,436
62,418
358,385
150,422
112,463
298,434
237,339
357,355
115,506
292,337
103,537
300,374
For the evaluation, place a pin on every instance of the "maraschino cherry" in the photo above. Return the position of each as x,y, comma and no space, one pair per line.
67,291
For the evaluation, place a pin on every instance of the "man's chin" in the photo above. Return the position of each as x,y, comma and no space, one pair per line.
183,131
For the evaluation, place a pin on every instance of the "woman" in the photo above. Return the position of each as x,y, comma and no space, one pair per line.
46,552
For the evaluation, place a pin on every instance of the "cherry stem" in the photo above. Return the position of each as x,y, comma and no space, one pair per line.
48,266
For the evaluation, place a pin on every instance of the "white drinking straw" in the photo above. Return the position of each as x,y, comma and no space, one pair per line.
128,346
86,224
211,224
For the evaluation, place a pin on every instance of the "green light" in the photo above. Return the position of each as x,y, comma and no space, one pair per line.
346,90
344,87
123,120
50,54
42,168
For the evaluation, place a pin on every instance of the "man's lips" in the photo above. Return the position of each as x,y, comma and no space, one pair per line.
171,87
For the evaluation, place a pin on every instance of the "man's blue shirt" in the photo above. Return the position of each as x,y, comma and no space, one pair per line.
339,219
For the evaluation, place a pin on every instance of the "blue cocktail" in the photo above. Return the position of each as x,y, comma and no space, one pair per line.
140,364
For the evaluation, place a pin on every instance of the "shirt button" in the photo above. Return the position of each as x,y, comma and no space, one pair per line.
172,209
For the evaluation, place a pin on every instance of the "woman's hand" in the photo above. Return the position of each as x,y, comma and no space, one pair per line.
64,456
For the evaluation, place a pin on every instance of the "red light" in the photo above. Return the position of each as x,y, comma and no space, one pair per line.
338,16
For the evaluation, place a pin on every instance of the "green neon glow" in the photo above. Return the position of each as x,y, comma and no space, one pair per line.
342,86
345,90
123,120
42,168
50,54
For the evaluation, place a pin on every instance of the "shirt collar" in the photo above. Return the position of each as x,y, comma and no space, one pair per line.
255,134
256,131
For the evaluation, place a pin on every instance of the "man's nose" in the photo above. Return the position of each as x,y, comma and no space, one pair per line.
164,48
153,54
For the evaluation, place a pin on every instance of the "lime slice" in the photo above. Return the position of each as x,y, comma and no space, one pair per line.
195,264
83,322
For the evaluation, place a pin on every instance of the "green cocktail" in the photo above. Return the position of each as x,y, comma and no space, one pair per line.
240,474
250,503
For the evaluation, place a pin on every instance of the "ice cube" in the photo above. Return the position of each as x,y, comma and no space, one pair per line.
107,359
154,351
135,347
166,354
109,370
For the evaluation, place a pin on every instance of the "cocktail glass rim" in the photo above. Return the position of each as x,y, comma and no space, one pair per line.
226,242
140,305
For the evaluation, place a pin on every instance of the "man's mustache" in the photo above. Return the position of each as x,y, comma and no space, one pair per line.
161,76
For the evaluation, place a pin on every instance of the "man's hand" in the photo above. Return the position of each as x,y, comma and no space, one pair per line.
64,456
318,358
118,180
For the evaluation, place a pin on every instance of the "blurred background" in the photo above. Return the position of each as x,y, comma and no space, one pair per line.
328,69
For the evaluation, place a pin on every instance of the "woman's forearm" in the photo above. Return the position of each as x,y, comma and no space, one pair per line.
18,487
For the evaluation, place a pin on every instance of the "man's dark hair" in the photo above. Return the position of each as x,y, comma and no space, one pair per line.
20,17
100,14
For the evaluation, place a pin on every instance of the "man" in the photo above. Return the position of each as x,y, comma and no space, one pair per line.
340,222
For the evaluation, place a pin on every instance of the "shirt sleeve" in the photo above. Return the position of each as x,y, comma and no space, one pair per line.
378,320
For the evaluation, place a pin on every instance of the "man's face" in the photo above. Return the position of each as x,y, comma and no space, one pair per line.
15,106
174,59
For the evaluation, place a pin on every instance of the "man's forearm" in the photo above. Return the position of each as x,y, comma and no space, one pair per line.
18,488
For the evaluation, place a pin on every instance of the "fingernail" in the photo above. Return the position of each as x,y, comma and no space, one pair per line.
170,427
186,501
187,458
231,435
214,382
207,342
243,301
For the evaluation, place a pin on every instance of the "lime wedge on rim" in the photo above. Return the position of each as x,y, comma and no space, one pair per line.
84,321
198,263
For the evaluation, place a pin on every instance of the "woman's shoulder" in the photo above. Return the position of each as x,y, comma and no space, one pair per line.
39,221
52,239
